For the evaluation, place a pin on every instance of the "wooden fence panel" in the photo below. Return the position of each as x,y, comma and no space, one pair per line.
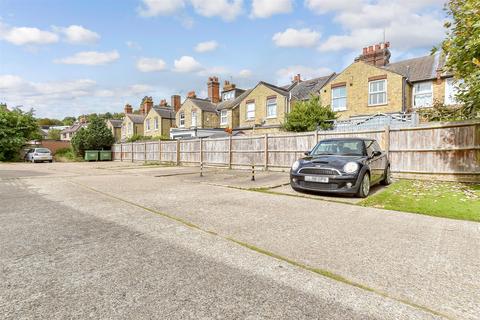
190,151
284,150
153,151
215,151
247,151
169,151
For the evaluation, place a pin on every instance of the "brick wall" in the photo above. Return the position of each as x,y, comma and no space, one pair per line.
54,145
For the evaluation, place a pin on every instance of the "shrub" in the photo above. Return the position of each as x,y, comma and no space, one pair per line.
96,136
308,116
66,155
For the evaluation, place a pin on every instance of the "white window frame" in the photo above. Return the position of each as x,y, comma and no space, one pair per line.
229,95
422,93
155,123
223,117
269,104
451,89
194,118
339,98
130,128
370,93
181,120
250,111
147,124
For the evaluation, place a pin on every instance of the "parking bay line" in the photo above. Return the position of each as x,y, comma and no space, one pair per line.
318,271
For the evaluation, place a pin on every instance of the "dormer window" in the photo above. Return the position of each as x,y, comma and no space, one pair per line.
229,95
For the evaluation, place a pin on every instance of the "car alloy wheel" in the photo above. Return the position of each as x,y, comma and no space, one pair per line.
388,177
365,186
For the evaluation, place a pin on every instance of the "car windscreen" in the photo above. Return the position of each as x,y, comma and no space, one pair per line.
339,147
42,150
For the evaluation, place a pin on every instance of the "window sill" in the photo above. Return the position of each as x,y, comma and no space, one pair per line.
378,105
249,120
272,117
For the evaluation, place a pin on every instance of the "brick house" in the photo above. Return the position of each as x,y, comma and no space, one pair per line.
161,118
373,85
132,124
68,133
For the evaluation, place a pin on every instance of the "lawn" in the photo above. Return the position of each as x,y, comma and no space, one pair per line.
442,199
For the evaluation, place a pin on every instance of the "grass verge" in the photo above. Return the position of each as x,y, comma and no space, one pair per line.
434,198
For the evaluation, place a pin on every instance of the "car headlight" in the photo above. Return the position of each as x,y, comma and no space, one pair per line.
350,167
295,165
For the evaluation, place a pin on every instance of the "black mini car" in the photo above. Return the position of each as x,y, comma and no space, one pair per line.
343,165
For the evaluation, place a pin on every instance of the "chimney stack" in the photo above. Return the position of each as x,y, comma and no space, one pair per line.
377,55
227,86
163,103
213,90
297,78
191,95
176,102
147,105
128,109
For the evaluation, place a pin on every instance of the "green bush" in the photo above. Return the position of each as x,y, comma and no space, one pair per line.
308,115
138,137
66,155
96,136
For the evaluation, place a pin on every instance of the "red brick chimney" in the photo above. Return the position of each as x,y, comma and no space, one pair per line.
147,105
377,55
297,78
213,90
176,102
191,94
128,109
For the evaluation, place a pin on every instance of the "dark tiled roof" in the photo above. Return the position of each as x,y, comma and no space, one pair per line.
136,118
204,104
115,123
74,128
304,89
419,69
165,113
230,104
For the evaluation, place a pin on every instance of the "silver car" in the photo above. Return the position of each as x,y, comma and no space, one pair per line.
39,155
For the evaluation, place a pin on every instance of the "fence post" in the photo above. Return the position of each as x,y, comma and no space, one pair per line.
160,151
266,152
132,153
121,152
316,136
387,141
178,152
201,150
230,152
145,152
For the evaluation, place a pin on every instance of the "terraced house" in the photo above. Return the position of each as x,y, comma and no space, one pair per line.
132,124
161,118
373,85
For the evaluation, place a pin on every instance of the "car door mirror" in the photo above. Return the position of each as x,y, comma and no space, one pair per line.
307,153
377,153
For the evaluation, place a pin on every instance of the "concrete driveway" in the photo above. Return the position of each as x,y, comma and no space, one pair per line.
356,262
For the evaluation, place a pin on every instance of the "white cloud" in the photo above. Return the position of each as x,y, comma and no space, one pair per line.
324,6
268,8
228,10
296,38
133,45
90,58
78,35
10,82
150,64
245,73
407,24
187,64
206,46
26,35
151,8
138,89
285,75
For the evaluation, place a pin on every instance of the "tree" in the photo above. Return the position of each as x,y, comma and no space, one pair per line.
49,122
462,47
96,136
68,121
308,115
16,128
54,134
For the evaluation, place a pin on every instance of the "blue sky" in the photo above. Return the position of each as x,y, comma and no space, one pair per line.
74,57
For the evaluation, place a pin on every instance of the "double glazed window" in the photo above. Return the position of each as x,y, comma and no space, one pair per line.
147,124
422,94
229,95
223,117
451,91
251,111
339,98
182,119
155,123
194,118
377,92
272,107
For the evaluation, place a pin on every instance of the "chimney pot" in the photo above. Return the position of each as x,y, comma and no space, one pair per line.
128,109
192,94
